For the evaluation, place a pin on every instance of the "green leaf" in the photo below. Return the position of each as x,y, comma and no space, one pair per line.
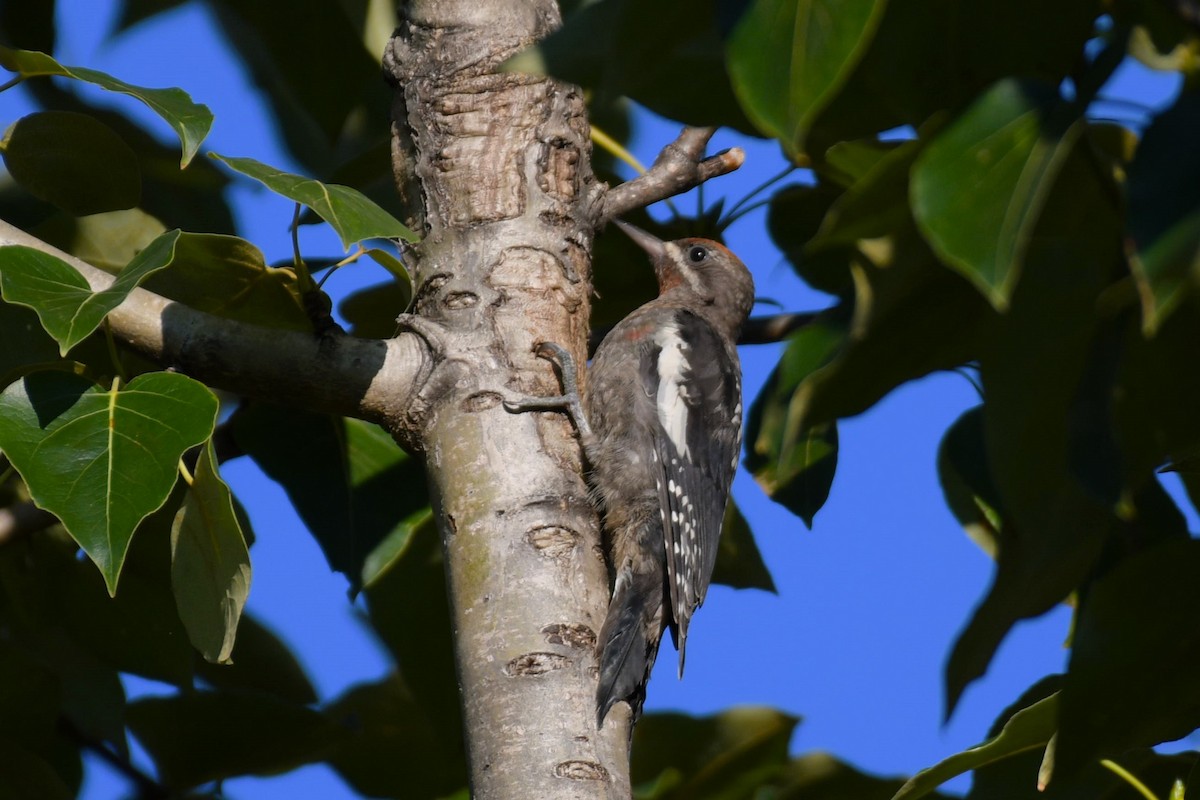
909,315
72,160
739,564
979,187
668,55
793,462
1134,657
1164,211
794,216
228,277
206,736
24,774
107,241
788,58
1032,372
354,216
350,482
931,56
63,299
210,564
372,312
25,342
260,662
391,750
190,120
102,461
967,482
1028,729
409,609
820,776
723,757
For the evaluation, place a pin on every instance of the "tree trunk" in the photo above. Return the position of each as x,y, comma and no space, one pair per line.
510,205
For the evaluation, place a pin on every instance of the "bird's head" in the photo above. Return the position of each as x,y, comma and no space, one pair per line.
699,268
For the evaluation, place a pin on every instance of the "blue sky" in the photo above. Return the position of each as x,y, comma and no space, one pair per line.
869,601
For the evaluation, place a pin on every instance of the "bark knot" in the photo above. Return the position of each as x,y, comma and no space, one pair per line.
571,634
581,771
533,664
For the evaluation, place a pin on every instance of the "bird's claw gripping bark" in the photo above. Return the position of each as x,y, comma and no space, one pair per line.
569,401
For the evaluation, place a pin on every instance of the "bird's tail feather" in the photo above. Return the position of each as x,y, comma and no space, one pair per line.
628,642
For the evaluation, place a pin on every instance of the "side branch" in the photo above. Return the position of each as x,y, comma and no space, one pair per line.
365,378
679,167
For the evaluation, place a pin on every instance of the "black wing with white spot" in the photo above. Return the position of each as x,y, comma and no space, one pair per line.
697,438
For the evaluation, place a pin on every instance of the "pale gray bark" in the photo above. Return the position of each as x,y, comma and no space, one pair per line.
501,162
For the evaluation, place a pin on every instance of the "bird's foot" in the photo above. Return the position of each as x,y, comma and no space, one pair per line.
568,401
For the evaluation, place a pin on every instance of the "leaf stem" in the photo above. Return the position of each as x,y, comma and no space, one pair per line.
113,353
302,274
186,474
4,87
1129,778
732,214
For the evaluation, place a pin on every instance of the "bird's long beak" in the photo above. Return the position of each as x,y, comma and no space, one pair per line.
648,242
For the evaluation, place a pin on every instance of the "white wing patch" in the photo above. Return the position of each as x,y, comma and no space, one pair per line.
670,404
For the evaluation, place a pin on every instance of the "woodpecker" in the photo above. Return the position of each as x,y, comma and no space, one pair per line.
661,434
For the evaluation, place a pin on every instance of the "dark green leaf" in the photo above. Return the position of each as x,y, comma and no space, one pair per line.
210,564
1054,529
29,698
793,462
92,696
135,11
107,241
72,160
102,461
325,106
137,631
372,312
793,219
979,187
408,606
390,750
27,776
351,484
64,301
191,121
936,55
228,277
820,776
1136,651
788,59
1028,729
23,342
910,315
725,756
667,55
261,662
739,564
967,482
1164,210
350,213
204,736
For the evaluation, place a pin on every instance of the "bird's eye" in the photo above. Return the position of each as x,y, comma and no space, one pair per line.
697,254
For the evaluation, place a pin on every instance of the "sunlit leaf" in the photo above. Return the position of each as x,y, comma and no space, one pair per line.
787,58
63,299
73,161
191,121
348,211
979,187
101,461
210,564
1028,729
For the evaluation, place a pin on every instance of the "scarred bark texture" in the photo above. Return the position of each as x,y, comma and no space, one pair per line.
501,163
